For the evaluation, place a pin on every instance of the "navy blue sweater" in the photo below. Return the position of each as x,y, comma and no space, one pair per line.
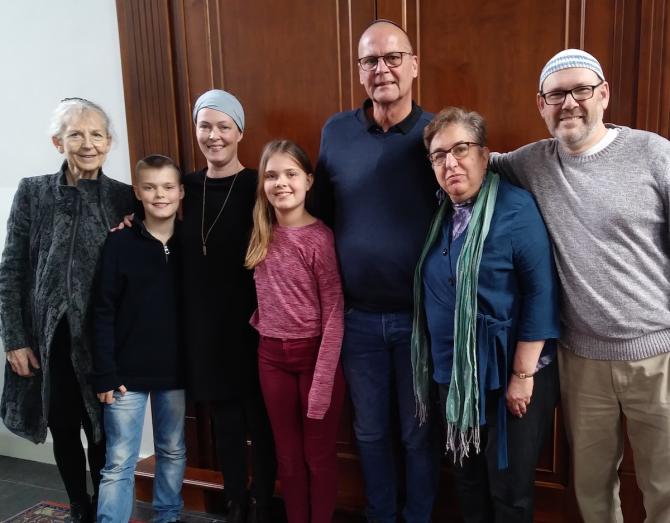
377,190
136,326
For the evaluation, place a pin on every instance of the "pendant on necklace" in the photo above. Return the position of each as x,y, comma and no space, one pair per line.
204,249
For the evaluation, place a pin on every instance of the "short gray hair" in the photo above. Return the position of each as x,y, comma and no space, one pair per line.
471,120
69,107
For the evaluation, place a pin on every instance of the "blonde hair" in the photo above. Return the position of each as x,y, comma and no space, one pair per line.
264,215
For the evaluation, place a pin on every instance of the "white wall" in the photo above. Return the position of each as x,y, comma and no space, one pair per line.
51,50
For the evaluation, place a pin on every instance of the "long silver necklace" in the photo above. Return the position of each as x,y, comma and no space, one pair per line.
204,236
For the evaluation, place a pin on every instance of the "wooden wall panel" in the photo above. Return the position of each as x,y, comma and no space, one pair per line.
148,78
653,102
487,65
292,64
612,36
285,76
288,81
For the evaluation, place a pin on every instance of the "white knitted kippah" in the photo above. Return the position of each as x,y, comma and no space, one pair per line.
571,58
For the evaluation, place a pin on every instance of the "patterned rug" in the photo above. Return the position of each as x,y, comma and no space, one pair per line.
45,512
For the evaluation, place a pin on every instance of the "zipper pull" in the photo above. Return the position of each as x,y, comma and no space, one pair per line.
167,252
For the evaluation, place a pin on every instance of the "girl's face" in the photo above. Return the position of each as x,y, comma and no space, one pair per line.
286,183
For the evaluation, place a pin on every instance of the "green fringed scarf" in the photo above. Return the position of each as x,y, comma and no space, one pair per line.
463,399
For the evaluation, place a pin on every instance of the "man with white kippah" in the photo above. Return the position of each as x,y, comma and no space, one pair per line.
604,192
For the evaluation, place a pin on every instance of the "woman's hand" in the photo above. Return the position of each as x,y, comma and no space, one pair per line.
519,392
127,222
108,397
23,361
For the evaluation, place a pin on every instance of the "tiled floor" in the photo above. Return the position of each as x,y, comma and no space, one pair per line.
25,483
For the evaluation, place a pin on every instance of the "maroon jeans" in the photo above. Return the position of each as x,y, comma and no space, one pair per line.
306,451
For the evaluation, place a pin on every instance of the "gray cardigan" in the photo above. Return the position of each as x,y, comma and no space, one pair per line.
55,234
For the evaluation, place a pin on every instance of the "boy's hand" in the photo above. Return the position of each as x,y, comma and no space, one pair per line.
108,397
127,222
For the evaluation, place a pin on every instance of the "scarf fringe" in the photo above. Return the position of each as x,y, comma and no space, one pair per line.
421,410
463,399
459,442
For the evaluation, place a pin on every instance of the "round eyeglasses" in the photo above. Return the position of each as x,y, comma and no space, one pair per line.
459,151
579,94
394,59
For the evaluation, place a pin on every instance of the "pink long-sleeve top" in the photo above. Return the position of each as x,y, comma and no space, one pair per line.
300,296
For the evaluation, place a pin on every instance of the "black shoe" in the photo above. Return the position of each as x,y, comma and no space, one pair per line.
258,513
80,512
236,513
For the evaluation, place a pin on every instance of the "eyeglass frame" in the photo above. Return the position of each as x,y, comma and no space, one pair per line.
571,93
383,57
449,151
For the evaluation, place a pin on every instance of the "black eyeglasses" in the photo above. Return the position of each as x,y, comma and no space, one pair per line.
579,94
394,59
459,151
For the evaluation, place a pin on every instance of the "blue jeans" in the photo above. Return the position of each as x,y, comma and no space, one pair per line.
123,427
376,354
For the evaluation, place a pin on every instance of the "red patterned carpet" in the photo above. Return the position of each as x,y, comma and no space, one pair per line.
44,512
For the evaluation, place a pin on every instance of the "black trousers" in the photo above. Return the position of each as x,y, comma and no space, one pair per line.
233,422
489,495
67,416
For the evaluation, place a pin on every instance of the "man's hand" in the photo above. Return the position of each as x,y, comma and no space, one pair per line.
108,397
23,361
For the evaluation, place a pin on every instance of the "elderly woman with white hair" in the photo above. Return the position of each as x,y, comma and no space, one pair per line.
55,232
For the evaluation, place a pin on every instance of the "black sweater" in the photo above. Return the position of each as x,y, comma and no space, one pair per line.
377,190
219,296
136,325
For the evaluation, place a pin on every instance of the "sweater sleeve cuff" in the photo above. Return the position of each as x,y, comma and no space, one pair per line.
11,343
105,382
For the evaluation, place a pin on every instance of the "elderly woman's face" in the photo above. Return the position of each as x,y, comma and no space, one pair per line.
85,143
217,136
461,172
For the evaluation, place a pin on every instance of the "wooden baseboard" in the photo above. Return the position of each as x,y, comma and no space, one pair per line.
202,489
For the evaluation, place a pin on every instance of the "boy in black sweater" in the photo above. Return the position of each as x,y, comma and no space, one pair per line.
137,348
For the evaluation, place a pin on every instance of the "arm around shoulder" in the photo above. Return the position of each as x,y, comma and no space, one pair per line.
534,265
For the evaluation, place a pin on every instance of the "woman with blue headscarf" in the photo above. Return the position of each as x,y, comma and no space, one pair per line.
219,298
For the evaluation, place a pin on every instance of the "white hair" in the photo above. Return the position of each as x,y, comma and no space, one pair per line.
69,107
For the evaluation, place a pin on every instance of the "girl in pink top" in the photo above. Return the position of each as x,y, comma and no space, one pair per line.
300,321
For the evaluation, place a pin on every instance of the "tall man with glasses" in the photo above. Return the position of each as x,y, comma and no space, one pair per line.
377,190
604,192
